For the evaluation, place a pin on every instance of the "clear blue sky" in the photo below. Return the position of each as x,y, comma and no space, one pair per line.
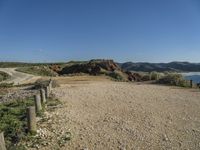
125,30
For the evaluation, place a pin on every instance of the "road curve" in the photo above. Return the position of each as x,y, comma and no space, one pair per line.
18,77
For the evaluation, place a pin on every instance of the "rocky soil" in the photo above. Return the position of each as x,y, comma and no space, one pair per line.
116,115
17,94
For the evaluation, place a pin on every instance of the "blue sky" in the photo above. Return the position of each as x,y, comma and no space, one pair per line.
124,30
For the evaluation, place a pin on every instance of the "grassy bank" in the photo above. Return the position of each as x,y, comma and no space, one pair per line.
37,70
13,122
4,76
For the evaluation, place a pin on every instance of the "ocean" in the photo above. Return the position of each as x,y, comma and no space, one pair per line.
195,76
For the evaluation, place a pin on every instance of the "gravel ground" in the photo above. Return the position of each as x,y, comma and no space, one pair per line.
115,115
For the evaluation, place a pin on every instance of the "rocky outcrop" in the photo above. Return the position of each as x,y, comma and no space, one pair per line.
93,67
108,65
134,76
102,66
55,68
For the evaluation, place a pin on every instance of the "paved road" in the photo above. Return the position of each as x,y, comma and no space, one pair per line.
18,77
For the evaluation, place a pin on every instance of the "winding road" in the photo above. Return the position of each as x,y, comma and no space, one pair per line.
18,77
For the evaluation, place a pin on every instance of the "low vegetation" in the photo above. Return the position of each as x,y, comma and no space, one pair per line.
13,64
167,78
21,64
150,76
174,79
154,75
13,121
117,76
38,70
6,85
4,76
146,77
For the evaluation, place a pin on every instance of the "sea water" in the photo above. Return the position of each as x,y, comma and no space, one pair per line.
195,76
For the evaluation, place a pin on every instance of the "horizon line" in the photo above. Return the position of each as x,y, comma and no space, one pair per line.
56,62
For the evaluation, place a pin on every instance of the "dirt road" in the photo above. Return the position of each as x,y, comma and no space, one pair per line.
125,116
18,77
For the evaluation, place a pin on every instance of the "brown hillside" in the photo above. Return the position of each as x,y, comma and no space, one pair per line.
101,66
93,67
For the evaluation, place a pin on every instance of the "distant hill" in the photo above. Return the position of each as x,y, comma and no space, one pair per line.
160,67
23,64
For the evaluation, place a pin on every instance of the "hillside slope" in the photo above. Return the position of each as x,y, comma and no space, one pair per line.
172,66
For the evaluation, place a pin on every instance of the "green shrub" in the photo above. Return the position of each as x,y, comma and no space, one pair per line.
174,79
151,76
146,77
4,76
13,121
154,75
116,75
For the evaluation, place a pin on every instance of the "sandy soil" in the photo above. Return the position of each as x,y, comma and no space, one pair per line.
113,115
18,77
81,79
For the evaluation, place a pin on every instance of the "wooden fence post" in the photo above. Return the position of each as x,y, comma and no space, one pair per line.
38,104
47,91
49,88
50,85
2,142
43,96
191,83
31,118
